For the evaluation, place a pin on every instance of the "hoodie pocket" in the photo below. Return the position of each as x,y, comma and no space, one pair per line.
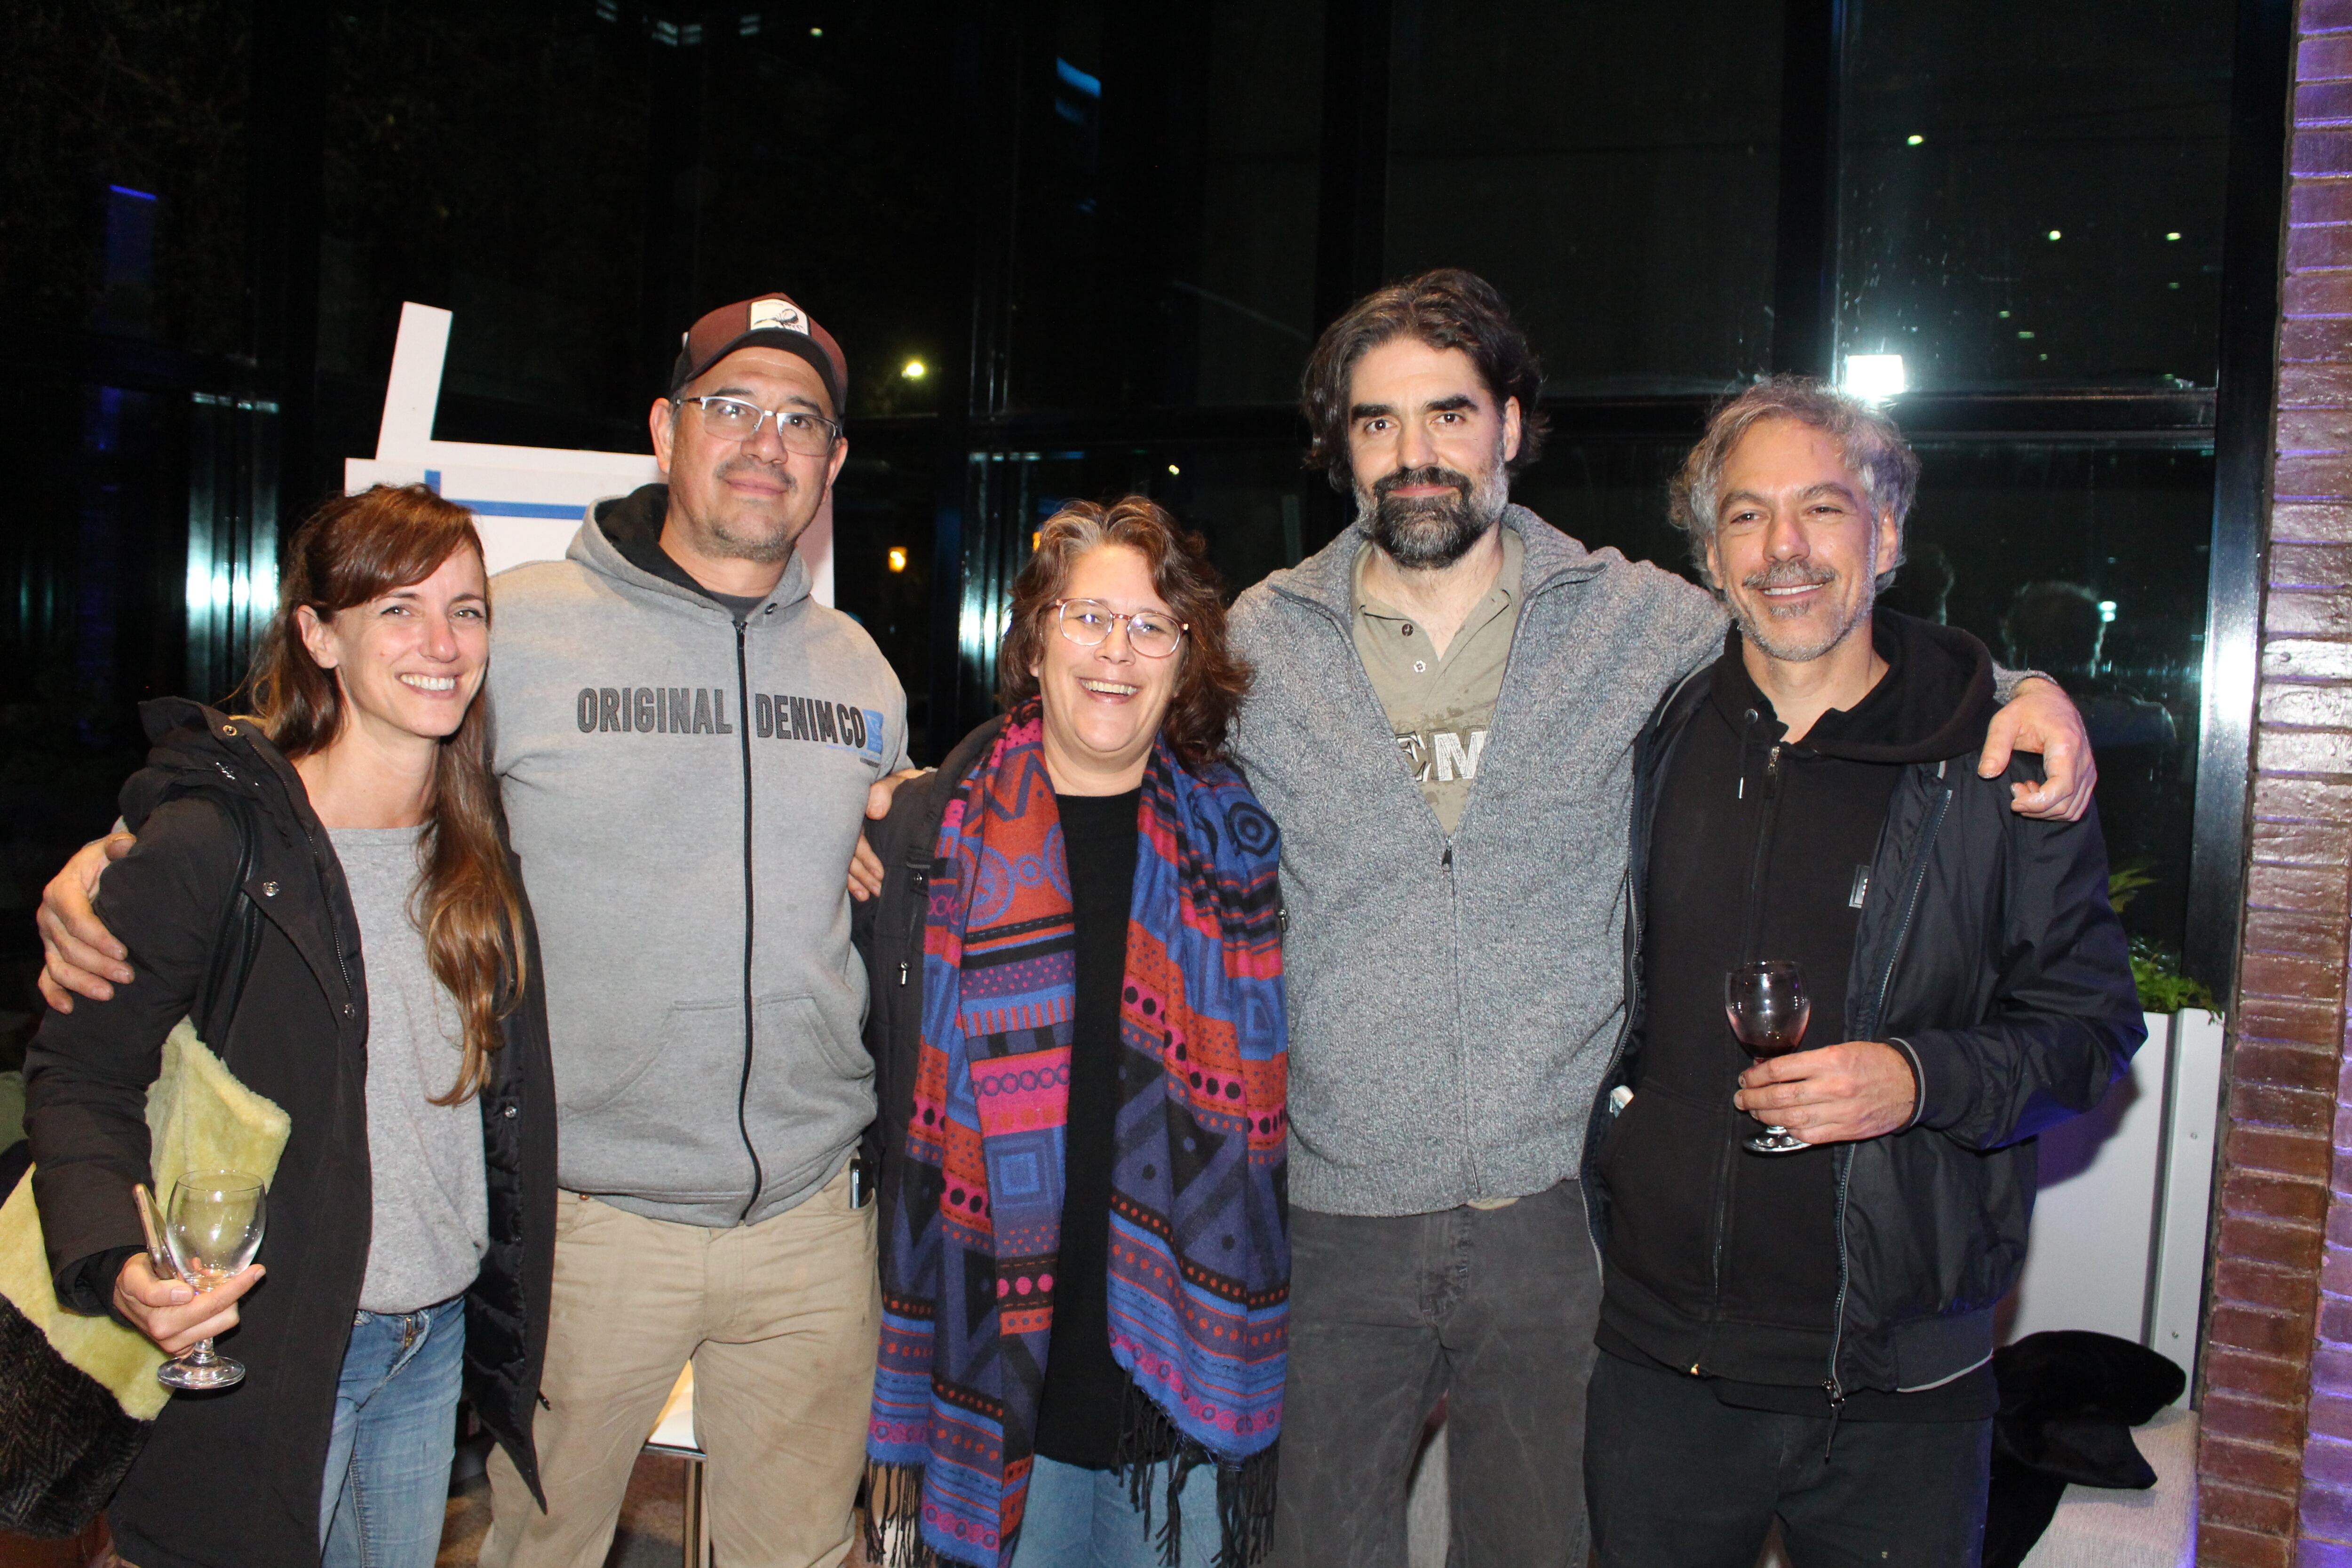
1660,1166
666,1126
788,1020
689,1046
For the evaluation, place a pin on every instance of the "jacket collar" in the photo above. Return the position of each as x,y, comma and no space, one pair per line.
195,748
1326,578
620,538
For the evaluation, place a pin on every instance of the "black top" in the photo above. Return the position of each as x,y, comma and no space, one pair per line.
1079,1407
1763,850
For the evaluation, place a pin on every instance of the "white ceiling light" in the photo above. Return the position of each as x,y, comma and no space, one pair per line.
1875,377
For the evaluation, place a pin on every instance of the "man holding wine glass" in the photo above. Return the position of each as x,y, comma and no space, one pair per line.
1803,1316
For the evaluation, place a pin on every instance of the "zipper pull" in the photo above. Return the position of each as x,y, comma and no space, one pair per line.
902,971
1837,1408
1446,860
1772,770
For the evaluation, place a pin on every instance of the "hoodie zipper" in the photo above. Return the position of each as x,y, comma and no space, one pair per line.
744,1088
1752,931
1751,923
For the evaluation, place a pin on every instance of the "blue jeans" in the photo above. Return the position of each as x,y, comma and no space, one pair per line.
386,1489
1078,1517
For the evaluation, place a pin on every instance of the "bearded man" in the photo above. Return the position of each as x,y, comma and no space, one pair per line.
1802,1324
1457,953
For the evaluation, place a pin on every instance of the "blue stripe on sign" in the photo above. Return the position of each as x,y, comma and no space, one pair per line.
516,509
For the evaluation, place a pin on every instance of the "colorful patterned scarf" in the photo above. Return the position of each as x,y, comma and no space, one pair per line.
1200,1270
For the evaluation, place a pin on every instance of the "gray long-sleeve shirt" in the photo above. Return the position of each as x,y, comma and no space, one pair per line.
1453,1001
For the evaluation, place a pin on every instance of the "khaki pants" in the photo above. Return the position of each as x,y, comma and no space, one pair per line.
780,1319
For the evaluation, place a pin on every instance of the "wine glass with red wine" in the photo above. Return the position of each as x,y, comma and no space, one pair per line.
1767,1004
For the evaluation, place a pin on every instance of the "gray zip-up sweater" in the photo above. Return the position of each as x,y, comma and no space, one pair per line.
1454,1004
684,795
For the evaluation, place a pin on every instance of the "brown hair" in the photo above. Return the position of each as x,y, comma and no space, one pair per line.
352,550
1448,309
1211,682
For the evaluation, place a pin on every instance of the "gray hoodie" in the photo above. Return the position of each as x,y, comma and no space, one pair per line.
685,793
1454,1003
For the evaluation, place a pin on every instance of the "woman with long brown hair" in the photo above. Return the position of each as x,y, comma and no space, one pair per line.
322,887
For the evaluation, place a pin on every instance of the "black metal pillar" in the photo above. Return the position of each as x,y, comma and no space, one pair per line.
286,139
2242,468
1804,277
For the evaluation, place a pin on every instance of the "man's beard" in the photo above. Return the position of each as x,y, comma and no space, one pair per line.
728,543
1764,632
1428,532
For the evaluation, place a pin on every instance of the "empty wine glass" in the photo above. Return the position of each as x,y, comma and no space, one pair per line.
213,1229
1769,1009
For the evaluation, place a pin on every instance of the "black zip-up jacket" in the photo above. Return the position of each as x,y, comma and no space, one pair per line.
888,931
1988,951
300,1036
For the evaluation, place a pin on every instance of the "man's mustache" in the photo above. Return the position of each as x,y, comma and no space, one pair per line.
1428,475
1788,575
774,473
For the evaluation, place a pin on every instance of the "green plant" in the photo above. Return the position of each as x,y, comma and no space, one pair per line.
2162,987
2126,881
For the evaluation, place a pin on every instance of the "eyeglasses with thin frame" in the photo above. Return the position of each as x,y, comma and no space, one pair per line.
733,419
1154,634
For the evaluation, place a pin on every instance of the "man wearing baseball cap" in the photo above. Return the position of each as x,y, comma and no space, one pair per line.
684,740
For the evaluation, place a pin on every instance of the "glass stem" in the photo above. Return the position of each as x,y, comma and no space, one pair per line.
200,1353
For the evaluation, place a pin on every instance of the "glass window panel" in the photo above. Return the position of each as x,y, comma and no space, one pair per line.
883,516
493,161
631,190
1165,245
2033,193
1612,169
2090,563
123,171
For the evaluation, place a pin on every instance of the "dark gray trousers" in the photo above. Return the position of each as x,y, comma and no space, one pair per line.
1492,1309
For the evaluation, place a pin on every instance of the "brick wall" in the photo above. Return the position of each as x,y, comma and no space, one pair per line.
2274,1458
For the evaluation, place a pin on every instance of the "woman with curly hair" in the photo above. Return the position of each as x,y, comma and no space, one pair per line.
1078,1034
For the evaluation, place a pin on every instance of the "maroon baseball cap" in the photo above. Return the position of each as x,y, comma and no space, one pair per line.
769,319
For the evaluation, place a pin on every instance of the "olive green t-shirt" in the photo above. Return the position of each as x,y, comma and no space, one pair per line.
1441,708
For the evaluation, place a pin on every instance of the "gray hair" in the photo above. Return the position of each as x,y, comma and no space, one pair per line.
1872,448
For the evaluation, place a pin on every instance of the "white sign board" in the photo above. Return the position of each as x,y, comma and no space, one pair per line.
525,501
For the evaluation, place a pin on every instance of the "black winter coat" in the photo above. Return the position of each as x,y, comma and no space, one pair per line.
232,1479
1999,963
888,931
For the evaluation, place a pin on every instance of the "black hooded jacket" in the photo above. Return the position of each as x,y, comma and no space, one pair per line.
299,1035
1929,915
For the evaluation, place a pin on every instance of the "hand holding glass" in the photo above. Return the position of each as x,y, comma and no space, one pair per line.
213,1230
1769,1010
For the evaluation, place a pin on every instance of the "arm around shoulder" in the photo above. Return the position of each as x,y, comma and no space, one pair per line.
87,1072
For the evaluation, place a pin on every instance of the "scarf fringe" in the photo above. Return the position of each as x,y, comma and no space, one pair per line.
1151,1447
894,1519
